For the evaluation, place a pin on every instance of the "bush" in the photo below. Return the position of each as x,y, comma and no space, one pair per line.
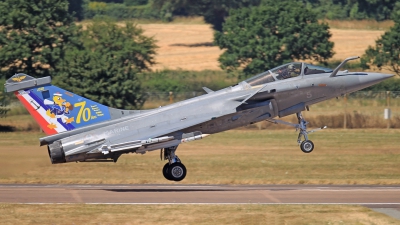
386,52
354,10
258,38
4,100
106,69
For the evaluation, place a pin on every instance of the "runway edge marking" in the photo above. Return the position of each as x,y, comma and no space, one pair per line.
176,203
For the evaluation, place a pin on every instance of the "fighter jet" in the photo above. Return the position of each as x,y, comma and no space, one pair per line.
81,130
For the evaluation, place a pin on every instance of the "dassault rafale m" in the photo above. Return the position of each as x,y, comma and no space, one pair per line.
81,130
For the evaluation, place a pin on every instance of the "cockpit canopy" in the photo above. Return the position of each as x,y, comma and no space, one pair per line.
286,71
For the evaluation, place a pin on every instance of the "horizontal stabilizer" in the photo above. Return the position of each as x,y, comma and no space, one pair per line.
22,81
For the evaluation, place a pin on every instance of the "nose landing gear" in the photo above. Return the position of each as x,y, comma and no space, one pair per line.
173,170
306,146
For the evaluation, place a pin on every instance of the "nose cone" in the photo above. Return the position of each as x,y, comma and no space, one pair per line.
373,78
381,76
360,80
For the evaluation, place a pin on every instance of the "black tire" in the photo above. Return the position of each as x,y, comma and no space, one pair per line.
165,171
307,146
177,171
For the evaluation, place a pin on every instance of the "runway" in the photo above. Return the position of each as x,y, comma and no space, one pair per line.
376,196
384,199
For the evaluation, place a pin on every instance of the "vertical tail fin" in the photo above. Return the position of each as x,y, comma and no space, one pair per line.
54,109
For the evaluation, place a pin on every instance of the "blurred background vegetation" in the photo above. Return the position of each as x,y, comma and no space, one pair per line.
97,50
215,11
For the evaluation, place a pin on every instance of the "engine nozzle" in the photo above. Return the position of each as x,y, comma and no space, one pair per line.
56,152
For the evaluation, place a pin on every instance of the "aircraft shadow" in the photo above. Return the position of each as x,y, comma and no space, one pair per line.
202,44
170,190
188,189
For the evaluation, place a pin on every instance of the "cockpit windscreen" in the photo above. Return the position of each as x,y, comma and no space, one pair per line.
287,71
261,78
278,73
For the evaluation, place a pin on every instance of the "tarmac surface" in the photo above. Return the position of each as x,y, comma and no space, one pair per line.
384,199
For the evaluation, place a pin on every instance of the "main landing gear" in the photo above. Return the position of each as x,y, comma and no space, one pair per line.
174,169
307,145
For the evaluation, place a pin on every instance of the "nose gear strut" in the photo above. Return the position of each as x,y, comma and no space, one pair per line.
307,145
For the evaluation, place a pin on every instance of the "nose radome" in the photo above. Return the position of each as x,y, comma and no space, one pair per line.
363,80
373,78
386,76
382,76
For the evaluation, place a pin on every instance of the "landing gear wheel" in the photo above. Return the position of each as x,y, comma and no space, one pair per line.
165,171
177,171
307,146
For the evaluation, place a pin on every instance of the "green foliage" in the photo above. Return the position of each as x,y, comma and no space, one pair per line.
4,100
216,11
135,2
353,9
120,11
386,52
108,1
76,8
34,36
106,69
260,38
213,11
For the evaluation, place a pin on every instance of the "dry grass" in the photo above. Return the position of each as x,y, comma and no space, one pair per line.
19,123
352,42
187,43
190,214
184,46
189,46
233,157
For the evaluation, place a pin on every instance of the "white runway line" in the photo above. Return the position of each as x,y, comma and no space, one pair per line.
111,186
348,190
175,203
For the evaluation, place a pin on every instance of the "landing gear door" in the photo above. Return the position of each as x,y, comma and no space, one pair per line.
273,107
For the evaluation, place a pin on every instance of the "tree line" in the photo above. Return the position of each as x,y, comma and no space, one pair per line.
216,11
102,61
